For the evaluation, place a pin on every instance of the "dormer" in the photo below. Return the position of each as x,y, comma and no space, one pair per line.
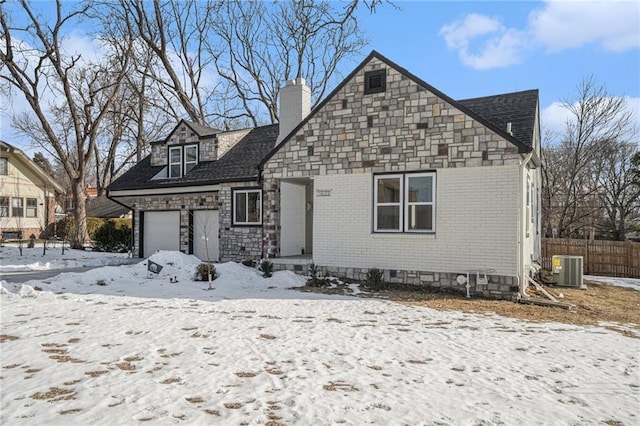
188,144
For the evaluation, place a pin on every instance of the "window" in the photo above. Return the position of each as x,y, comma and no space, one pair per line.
388,202
375,81
405,202
175,162
247,207
4,206
4,166
17,207
190,157
32,207
177,154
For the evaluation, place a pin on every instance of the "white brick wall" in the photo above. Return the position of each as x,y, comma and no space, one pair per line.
475,224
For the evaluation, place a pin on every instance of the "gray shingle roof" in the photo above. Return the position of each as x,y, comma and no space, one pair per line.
201,129
242,162
105,208
517,108
239,164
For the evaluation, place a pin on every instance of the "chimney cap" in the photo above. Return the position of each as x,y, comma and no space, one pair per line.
295,82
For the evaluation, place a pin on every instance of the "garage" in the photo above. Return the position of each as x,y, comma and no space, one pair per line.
205,234
161,231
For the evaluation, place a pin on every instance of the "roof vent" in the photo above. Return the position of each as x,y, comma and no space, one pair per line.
509,128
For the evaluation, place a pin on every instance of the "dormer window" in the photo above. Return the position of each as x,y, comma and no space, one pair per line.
182,159
190,157
375,81
175,161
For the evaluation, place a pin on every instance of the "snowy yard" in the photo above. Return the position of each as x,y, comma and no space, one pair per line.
111,346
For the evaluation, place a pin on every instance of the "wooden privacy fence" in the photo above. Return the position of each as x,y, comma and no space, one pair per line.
610,258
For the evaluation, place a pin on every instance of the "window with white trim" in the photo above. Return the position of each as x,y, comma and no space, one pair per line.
175,161
404,202
4,206
4,166
247,207
190,157
17,207
32,207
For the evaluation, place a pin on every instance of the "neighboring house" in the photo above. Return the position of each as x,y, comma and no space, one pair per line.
69,202
105,208
387,172
27,195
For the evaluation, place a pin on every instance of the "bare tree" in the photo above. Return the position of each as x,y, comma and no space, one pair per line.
260,45
175,33
570,165
222,63
36,63
618,194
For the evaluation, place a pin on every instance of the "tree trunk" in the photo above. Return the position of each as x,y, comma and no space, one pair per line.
81,235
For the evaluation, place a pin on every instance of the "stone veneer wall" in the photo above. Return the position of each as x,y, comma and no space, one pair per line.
227,140
497,287
237,243
207,151
405,128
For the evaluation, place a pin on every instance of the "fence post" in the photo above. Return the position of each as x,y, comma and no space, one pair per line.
586,258
628,259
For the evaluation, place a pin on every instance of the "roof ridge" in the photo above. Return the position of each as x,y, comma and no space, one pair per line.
500,94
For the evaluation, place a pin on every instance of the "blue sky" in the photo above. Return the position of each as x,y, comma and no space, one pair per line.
470,49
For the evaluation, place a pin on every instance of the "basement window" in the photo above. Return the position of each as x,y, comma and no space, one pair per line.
375,81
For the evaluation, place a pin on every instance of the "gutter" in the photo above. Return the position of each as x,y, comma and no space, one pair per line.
116,201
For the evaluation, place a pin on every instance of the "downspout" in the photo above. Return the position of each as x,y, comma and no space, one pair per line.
522,283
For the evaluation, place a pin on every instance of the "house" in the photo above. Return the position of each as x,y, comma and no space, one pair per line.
387,172
105,208
27,195
69,202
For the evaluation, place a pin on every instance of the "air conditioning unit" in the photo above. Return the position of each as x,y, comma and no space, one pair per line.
567,271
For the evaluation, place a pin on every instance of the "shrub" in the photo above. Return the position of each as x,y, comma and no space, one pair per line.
111,238
250,263
65,226
315,280
267,268
375,279
203,270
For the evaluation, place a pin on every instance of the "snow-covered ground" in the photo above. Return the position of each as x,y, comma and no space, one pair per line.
32,259
620,282
111,346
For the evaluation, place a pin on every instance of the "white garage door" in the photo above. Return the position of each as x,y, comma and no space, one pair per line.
205,235
161,231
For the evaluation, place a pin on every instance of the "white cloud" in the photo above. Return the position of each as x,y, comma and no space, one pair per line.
554,117
499,46
484,42
561,25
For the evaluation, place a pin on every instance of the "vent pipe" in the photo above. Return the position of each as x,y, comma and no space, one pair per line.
509,128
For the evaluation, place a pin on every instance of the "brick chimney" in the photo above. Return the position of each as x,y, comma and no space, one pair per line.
295,105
